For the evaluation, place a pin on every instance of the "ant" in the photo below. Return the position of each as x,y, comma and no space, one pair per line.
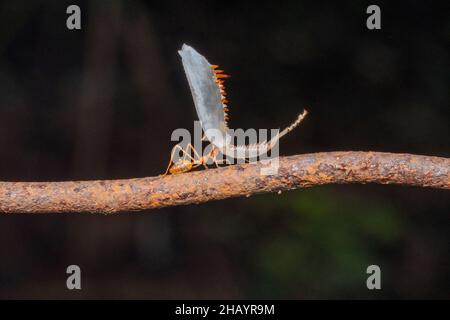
187,162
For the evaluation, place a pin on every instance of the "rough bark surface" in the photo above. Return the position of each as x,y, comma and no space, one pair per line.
110,196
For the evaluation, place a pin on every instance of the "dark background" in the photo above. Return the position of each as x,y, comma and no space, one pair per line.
101,103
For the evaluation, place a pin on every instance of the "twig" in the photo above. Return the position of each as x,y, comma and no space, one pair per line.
109,196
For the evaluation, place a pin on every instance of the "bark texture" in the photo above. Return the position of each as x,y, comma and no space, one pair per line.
307,170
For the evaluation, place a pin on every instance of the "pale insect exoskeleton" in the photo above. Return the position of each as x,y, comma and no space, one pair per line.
206,83
191,159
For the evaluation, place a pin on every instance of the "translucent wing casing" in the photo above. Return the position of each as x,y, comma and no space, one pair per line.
206,95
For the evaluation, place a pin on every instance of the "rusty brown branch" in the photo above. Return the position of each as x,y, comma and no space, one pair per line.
109,196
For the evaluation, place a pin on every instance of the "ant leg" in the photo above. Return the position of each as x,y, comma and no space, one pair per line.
191,147
211,155
196,165
196,155
186,153
170,161
217,162
177,148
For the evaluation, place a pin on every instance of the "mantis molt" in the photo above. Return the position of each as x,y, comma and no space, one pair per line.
206,82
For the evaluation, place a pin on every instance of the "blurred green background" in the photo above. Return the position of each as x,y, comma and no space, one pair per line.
101,103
